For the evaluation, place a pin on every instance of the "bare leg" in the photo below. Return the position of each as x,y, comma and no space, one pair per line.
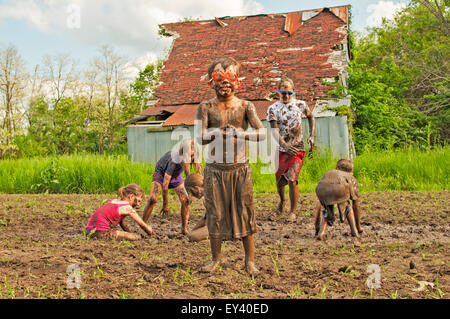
357,212
216,251
123,235
183,197
198,234
249,249
341,208
317,217
323,228
351,221
281,184
152,200
293,196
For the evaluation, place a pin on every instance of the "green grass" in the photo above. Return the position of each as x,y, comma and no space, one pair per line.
73,174
396,170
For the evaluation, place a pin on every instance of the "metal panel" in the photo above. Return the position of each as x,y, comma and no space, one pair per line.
143,146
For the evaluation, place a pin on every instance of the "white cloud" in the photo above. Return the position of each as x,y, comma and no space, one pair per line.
130,25
383,9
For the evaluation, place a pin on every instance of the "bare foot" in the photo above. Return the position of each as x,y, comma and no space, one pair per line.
251,268
280,208
292,217
211,266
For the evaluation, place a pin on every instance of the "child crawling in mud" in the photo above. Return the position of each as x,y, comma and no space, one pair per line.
105,219
337,186
168,175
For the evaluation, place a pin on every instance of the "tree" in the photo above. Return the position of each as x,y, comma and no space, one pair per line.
110,66
13,80
60,76
141,90
401,70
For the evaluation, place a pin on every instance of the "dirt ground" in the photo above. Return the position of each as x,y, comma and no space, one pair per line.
403,252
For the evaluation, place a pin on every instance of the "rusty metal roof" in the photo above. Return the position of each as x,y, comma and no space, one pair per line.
296,44
301,45
185,115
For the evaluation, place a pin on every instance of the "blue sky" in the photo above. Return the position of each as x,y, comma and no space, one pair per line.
79,27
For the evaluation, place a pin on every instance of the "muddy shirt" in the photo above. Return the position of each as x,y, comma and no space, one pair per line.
336,187
107,216
289,120
166,165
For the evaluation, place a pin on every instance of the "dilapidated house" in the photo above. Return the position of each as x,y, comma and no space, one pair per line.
310,47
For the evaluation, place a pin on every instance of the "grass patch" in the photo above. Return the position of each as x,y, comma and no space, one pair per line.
396,170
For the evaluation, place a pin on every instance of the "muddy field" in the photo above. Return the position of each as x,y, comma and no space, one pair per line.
403,253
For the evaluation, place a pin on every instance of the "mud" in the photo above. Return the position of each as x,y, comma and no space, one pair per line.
406,237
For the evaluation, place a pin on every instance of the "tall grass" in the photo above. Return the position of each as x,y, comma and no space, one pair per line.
73,174
406,169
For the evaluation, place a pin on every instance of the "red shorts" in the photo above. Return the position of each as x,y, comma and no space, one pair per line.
289,166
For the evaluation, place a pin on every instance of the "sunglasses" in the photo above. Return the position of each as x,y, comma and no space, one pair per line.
222,76
286,92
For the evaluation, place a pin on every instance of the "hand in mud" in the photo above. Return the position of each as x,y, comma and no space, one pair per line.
165,211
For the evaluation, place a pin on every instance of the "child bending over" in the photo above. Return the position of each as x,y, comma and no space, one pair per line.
167,175
337,186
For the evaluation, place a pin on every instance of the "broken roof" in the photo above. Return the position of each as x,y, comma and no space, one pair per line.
306,46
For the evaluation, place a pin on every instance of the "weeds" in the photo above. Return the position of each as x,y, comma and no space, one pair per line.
296,292
322,293
98,272
182,277
275,264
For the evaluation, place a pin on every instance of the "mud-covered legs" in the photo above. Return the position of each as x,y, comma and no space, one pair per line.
346,211
249,250
293,197
152,200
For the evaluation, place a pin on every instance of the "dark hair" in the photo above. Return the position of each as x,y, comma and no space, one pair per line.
133,189
225,62
345,165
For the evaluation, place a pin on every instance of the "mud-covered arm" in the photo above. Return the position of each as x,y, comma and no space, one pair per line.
312,125
259,132
204,135
128,211
201,223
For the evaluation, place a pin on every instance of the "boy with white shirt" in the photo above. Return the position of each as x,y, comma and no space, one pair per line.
285,117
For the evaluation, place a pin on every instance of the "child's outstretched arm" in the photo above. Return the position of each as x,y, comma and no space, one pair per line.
135,216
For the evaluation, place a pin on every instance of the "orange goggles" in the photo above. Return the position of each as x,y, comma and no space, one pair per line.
222,76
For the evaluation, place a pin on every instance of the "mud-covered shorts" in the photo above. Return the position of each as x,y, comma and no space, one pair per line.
228,192
95,233
289,166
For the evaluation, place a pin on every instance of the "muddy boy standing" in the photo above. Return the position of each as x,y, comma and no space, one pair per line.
222,123
285,117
